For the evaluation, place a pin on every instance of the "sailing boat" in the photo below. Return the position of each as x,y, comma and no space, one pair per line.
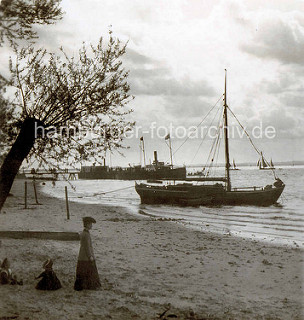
263,164
190,194
271,164
234,167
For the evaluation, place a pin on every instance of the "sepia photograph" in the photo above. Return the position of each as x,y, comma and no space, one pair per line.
151,159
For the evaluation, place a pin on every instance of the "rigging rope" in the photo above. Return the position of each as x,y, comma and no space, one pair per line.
215,147
205,135
255,148
247,134
199,123
118,189
218,150
214,144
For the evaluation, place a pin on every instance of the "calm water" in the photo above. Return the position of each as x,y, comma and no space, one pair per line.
276,224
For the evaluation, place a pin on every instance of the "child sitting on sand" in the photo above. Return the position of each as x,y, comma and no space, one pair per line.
49,279
6,275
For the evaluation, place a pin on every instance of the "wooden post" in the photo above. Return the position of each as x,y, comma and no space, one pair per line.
67,202
35,191
25,194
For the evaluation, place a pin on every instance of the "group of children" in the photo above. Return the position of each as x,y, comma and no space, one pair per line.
49,280
87,277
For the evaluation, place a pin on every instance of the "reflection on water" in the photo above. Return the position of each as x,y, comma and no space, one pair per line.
277,224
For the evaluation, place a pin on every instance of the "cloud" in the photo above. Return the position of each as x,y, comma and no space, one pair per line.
275,87
285,123
188,110
151,77
177,52
151,83
134,57
279,38
55,36
286,89
293,100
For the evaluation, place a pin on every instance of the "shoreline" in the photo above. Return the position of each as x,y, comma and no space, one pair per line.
219,228
145,263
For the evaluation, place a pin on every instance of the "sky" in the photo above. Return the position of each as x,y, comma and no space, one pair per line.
177,52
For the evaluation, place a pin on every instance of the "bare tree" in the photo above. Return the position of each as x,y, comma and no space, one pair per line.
17,17
6,116
60,99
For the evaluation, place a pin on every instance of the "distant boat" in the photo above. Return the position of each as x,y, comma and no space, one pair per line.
188,192
198,173
271,164
234,167
154,171
263,165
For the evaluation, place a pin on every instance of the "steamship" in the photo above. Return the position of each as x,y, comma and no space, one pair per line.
156,170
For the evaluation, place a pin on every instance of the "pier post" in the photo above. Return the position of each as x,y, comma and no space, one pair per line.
67,202
25,194
35,191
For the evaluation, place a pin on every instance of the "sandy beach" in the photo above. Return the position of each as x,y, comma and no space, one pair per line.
147,265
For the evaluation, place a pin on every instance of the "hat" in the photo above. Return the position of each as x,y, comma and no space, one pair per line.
48,264
5,264
88,219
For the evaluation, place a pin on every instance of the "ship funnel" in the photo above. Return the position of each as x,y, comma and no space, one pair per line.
155,157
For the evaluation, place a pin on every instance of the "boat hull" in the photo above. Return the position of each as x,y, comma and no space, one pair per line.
256,198
189,195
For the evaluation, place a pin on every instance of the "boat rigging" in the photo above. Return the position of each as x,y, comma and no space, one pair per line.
190,194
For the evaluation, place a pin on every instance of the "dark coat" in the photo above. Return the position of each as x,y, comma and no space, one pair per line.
49,281
86,248
87,276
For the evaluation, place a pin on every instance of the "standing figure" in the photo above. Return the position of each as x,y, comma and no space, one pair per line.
86,273
49,279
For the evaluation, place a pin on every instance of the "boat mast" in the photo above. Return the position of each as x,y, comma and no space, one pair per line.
140,161
226,136
171,152
168,137
143,149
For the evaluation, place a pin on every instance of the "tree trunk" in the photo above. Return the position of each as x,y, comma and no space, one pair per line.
19,151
